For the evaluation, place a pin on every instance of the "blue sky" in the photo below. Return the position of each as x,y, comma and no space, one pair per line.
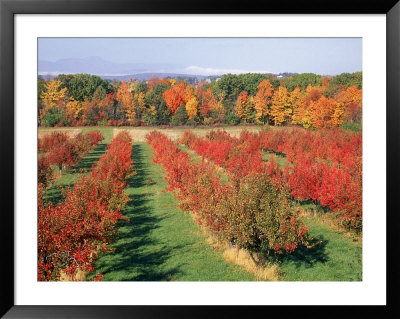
216,55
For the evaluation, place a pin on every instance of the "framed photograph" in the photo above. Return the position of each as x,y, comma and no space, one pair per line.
168,159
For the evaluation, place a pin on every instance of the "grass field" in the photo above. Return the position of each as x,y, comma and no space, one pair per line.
163,243
281,160
333,256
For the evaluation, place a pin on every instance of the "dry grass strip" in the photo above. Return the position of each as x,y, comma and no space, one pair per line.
70,131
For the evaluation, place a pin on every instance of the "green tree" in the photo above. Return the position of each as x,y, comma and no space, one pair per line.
81,86
302,80
346,80
230,85
41,88
141,87
100,93
163,116
54,116
180,117
250,82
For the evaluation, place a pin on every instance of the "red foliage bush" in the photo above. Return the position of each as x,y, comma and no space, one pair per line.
326,168
65,151
71,233
65,154
323,166
50,141
244,211
45,172
95,137
239,157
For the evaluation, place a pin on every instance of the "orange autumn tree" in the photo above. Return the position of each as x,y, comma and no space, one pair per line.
97,111
125,97
349,105
175,96
200,91
88,112
105,107
204,97
325,83
322,112
302,115
216,105
155,80
191,102
241,103
263,99
206,102
152,82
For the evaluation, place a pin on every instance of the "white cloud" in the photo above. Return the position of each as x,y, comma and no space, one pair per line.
193,69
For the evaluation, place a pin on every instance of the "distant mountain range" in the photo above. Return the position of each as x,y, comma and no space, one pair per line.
140,76
119,71
110,70
148,76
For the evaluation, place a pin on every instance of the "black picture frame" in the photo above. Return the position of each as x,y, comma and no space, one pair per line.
8,8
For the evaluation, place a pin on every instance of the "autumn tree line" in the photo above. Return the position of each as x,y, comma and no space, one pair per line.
307,100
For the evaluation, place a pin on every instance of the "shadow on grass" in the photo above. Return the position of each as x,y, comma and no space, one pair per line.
307,203
306,257
91,159
138,256
53,195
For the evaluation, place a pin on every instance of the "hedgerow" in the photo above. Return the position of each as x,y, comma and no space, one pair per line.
251,212
71,233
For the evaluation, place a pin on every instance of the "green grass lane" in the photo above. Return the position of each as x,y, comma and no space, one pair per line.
279,159
53,193
333,258
161,242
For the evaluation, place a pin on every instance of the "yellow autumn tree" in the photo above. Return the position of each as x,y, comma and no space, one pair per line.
152,110
262,100
125,97
216,106
140,104
191,107
281,111
74,110
141,101
53,94
303,113
249,111
173,82
295,100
